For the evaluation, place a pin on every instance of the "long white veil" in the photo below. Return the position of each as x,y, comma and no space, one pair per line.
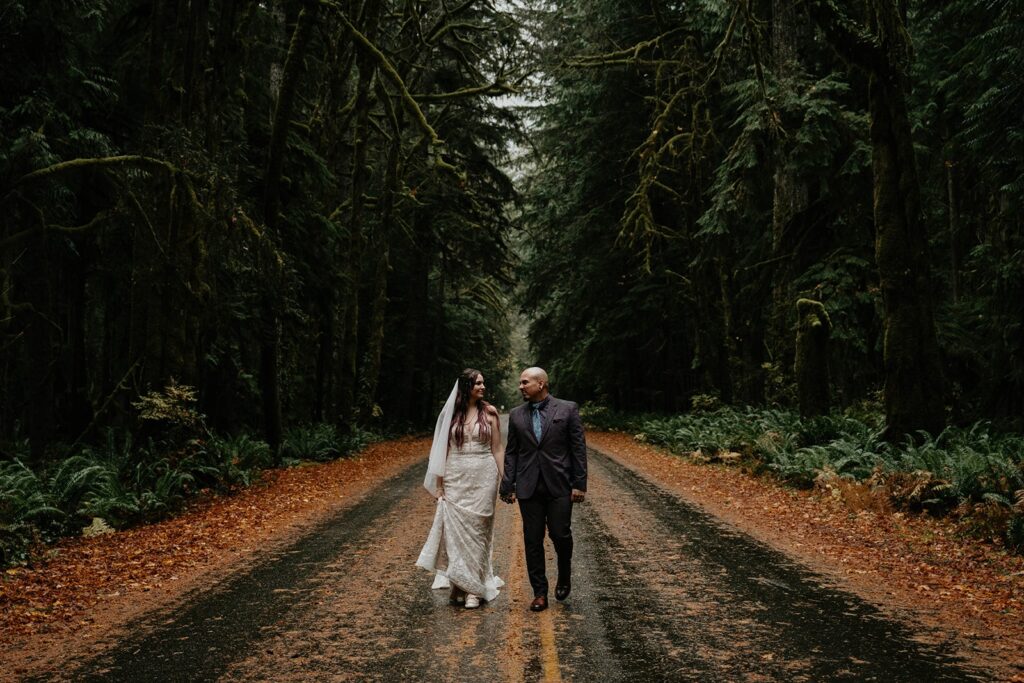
439,448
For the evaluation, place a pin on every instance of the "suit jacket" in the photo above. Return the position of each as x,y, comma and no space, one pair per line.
560,459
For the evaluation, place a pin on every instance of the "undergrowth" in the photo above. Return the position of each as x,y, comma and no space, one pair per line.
975,473
127,479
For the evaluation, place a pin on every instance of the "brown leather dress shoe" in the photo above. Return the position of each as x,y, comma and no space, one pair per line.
539,604
562,591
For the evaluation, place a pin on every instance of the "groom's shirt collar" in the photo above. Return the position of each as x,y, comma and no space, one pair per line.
541,405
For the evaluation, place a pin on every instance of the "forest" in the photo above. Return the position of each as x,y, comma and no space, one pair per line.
237,234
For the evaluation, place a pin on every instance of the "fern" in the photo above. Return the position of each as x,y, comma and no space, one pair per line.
315,442
25,497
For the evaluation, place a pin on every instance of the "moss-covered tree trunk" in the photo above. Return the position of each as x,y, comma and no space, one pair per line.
711,358
180,278
953,209
147,289
913,368
731,385
270,391
196,44
159,18
38,365
367,67
333,144
379,249
811,364
225,57
790,193
324,372
412,322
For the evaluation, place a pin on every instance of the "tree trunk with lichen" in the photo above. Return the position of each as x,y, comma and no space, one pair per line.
379,249
790,192
367,68
270,297
38,366
913,366
811,364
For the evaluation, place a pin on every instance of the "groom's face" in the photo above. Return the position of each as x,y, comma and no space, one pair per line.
530,387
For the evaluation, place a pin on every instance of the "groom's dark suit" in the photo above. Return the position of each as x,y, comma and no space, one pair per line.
542,475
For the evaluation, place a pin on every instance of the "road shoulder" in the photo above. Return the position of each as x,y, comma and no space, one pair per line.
914,568
84,599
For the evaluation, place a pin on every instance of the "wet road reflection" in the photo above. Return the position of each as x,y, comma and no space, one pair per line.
661,591
677,595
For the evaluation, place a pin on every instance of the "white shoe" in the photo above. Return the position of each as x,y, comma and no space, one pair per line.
472,601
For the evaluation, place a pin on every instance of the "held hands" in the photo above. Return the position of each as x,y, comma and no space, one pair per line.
577,496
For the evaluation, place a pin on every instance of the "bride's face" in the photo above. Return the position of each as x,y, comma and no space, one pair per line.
478,388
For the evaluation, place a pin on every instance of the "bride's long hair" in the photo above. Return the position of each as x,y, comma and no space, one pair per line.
466,381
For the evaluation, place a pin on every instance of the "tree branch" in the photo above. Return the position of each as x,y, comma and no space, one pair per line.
491,90
625,56
392,74
851,41
102,162
444,17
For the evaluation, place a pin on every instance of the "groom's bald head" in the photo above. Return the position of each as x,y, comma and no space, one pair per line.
533,384
537,373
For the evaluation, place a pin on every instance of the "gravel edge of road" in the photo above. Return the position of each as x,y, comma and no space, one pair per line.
49,650
307,495
742,501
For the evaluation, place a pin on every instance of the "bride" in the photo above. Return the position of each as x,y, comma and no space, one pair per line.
466,460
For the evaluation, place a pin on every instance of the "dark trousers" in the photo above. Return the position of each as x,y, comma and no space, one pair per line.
540,511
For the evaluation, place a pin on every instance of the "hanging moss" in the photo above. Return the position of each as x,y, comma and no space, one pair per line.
812,378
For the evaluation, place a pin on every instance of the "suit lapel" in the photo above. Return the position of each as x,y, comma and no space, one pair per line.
545,420
526,425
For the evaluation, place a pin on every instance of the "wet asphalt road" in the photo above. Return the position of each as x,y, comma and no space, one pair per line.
661,591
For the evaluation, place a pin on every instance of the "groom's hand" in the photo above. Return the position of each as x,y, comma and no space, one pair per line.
578,496
509,497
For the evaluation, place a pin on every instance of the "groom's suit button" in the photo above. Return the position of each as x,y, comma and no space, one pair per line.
539,604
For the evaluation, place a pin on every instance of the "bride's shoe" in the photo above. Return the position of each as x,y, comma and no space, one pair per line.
472,601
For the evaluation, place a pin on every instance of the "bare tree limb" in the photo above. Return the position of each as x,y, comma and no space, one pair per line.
625,56
849,39
391,73
491,90
101,162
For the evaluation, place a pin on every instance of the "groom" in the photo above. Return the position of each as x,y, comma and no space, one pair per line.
546,471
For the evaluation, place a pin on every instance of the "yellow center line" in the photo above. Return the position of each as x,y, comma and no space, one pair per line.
513,586
544,622
549,653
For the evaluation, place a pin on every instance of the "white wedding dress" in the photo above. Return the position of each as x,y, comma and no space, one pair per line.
458,548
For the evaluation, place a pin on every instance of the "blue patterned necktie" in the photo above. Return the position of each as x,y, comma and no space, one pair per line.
536,420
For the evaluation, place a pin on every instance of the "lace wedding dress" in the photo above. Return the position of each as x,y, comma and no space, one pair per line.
458,547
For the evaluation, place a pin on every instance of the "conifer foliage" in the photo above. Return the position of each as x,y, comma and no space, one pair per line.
296,207
702,166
